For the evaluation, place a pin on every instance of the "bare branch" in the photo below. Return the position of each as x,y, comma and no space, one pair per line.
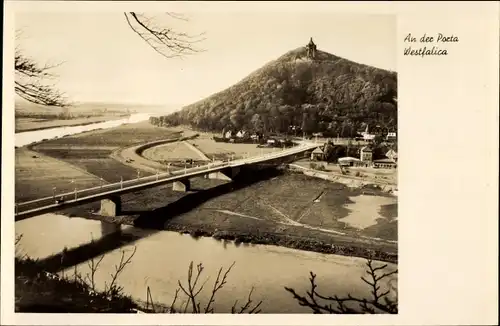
113,288
166,41
31,81
218,284
371,305
246,308
93,269
172,305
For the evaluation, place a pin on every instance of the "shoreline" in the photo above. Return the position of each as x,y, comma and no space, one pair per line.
344,245
63,126
77,124
295,242
279,240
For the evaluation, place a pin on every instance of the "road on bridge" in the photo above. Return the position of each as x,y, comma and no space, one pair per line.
79,197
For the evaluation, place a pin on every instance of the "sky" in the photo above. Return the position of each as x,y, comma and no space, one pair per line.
104,60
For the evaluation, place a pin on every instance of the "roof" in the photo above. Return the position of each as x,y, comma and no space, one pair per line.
366,149
391,153
348,159
318,150
385,161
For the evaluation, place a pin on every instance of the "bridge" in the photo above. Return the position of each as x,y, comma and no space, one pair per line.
109,194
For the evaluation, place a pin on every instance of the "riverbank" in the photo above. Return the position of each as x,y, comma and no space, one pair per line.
37,291
256,211
349,180
25,124
156,265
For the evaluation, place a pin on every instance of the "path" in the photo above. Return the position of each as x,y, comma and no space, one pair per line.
130,157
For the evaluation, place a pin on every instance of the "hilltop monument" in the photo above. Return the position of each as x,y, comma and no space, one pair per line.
311,49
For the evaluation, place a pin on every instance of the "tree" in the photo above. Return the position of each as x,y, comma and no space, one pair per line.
164,40
32,79
236,119
379,302
333,153
377,140
257,123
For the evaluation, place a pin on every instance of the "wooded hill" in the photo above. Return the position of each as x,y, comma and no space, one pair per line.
328,94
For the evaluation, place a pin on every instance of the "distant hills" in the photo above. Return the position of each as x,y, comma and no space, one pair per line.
326,93
23,107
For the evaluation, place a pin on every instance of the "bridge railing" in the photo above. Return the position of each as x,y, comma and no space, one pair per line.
158,176
122,184
79,191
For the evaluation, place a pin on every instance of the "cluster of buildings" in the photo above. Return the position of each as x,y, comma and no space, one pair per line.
365,158
242,136
367,136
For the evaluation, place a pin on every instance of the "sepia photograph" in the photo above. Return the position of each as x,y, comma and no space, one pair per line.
206,162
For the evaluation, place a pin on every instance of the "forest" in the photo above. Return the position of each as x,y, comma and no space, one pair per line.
327,94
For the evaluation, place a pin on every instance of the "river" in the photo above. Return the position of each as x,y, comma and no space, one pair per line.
28,137
162,258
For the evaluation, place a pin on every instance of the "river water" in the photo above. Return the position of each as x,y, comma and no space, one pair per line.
162,257
28,137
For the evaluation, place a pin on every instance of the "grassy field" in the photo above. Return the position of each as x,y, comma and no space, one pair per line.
36,175
171,152
90,150
216,150
124,135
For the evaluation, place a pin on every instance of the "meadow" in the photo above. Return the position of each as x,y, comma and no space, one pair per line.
91,150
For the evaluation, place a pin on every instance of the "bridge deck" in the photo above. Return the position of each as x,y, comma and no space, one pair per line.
46,205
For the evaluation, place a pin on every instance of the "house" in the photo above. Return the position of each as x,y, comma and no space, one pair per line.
391,136
385,163
241,134
366,154
348,161
228,134
318,154
366,135
392,154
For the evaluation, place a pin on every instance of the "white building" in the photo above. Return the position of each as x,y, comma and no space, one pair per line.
367,136
391,136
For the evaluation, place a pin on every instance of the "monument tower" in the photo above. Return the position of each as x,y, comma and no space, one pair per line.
311,49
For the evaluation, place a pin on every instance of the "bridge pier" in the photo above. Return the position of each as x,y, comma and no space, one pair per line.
182,186
218,176
110,207
226,174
